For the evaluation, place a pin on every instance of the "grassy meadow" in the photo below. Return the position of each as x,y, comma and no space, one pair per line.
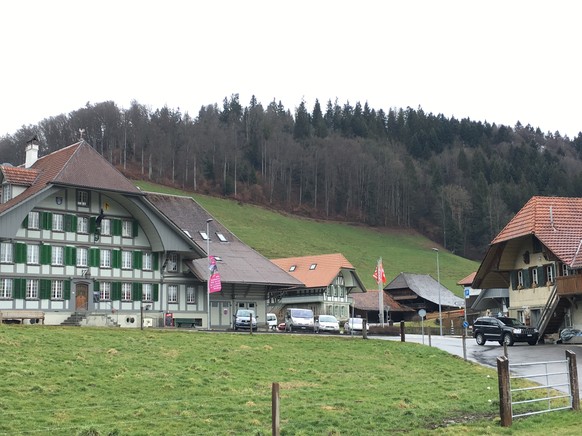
276,235
91,381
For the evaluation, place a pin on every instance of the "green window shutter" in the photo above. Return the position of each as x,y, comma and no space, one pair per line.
137,259
19,288
70,223
542,276
156,291
156,261
45,254
116,227
94,257
526,278
46,220
19,252
513,278
136,291
45,289
70,256
135,229
92,225
96,287
116,291
67,290
25,222
115,258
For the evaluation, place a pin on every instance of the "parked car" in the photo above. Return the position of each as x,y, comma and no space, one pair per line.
299,319
355,325
282,327
327,323
271,321
503,330
243,318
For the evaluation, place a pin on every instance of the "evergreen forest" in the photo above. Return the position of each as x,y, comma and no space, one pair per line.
457,181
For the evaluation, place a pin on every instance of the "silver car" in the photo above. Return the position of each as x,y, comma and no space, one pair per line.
327,323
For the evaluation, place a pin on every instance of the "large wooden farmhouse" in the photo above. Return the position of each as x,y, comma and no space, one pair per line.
537,260
82,245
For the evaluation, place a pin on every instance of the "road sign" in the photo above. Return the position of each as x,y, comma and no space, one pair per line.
465,324
422,313
467,292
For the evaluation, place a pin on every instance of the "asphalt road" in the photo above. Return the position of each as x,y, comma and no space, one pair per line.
521,356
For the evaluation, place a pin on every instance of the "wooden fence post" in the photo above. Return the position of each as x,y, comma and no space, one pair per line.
251,326
430,337
402,335
364,329
504,391
275,417
574,388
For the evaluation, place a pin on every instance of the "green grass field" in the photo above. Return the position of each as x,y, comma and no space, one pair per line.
276,235
90,381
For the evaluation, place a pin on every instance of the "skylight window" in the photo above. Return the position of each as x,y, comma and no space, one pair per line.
292,268
221,237
313,266
187,233
204,235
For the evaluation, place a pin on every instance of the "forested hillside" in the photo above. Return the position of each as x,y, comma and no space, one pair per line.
456,181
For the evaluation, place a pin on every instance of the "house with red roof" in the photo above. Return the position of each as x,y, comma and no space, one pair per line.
328,283
537,259
82,245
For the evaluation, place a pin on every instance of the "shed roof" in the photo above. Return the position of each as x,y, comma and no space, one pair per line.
426,287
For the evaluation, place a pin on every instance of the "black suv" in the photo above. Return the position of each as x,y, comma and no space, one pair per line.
503,329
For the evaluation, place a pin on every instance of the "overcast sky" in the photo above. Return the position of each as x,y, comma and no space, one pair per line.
495,61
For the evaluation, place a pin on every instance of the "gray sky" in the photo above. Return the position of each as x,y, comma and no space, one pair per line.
495,61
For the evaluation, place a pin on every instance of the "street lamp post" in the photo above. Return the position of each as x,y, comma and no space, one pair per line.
208,221
439,280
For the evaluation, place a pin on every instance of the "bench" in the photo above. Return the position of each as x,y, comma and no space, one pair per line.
191,322
21,315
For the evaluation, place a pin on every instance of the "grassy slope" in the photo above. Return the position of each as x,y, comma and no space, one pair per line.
276,235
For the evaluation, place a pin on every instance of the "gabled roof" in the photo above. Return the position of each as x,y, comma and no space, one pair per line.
315,271
238,264
425,287
18,176
467,281
369,301
555,221
77,165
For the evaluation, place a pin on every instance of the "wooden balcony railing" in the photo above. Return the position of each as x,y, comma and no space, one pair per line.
569,285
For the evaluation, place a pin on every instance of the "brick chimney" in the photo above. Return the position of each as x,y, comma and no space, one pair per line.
31,152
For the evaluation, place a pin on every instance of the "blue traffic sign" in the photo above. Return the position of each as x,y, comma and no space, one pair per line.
465,324
467,291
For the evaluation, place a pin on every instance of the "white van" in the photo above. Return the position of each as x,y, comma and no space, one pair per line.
299,319
271,321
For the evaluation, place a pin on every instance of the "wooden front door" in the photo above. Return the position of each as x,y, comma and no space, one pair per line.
81,296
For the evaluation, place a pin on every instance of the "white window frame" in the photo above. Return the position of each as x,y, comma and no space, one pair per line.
127,229
82,256
550,273
58,222
172,293
57,255
57,290
6,193
33,254
147,261
520,278
82,224
172,265
191,294
6,252
32,289
534,277
126,292
105,258
5,289
82,198
126,259
105,291
33,220
147,292
106,226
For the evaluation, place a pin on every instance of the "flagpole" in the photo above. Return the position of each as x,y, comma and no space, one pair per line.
380,291
208,221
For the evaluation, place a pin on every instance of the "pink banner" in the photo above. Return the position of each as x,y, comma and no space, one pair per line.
215,285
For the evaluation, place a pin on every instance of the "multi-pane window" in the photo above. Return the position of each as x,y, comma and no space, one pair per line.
172,293
127,229
5,288
82,256
550,273
105,291
520,278
58,222
146,294
82,224
126,257
6,193
190,294
172,265
57,290
32,254
147,261
126,291
33,220
105,226
57,255
6,252
32,289
534,276
82,198
105,259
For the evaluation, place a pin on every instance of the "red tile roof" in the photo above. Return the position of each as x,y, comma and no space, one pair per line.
328,266
18,176
555,221
467,281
